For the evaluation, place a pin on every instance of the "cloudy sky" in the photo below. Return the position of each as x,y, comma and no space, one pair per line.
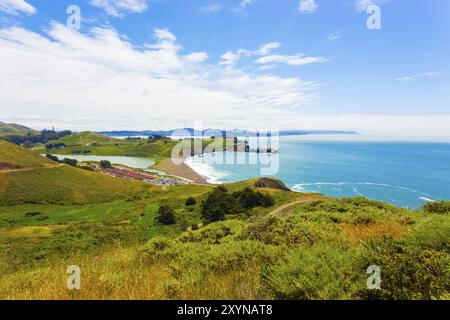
280,64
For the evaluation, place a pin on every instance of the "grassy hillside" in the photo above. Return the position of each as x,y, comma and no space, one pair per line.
97,144
85,138
319,249
18,156
12,128
39,180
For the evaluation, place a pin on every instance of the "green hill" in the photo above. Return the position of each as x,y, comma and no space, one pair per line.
26,177
15,155
98,144
85,138
13,128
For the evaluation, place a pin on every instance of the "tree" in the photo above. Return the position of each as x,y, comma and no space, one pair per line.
190,201
250,199
166,215
52,157
70,162
105,164
217,204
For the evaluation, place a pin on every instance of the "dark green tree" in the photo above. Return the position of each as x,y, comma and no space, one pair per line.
190,201
105,164
166,215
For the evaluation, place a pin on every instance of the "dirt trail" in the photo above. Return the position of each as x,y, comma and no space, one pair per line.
47,166
304,199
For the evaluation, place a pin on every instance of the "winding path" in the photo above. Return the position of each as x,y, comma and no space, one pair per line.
304,199
33,168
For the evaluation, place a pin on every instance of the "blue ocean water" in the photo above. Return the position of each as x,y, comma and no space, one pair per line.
406,174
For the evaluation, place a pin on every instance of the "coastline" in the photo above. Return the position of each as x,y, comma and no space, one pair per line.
182,170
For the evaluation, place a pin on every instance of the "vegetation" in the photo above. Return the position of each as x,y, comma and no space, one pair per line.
166,215
191,202
219,203
98,144
41,180
14,129
31,139
105,164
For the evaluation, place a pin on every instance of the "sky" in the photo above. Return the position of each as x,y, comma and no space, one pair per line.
249,64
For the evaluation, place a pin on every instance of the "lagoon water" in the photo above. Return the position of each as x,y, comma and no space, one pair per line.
132,162
406,174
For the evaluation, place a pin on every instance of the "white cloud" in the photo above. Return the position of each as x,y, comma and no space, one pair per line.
293,60
307,6
16,7
100,80
418,76
246,3
362,5
268,48
214,7
231,58
334,36
118,8
196,57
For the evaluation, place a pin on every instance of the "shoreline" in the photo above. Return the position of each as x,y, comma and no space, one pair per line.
182,170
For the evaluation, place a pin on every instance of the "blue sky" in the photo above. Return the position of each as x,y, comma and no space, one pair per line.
237,63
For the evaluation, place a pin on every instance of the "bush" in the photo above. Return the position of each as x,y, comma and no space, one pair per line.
190,201
70,162
219,203
105,164
319,272
438,207
432,233
250,199
51,157
406,274
166,215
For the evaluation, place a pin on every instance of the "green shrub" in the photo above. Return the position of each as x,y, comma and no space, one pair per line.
318,272
166,215
438,207
406,274
105,164
190,201
432,233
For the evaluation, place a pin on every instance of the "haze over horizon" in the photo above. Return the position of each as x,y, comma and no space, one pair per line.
140,65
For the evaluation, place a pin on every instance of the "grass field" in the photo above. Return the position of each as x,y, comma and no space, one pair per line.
316,250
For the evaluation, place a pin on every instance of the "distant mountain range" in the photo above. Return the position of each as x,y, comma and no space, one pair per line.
13,128
231,133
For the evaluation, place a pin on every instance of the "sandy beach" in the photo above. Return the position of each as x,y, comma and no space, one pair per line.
182,170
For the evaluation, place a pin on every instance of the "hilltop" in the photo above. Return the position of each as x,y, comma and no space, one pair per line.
14,129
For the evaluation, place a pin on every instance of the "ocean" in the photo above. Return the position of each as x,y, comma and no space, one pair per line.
406,174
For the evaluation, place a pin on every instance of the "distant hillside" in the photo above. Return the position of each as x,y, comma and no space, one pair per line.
102,145
29,178
84,138
13,128
231,133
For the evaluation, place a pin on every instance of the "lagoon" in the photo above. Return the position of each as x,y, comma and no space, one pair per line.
132,162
